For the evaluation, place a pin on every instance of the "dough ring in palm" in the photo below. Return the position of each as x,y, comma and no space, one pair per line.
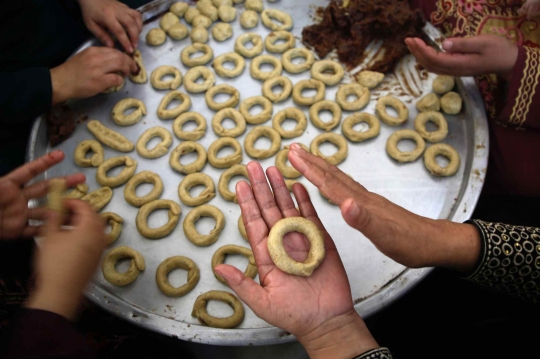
258,74
192,135
239,64
272,82
203,240
225,178
441,149
222,88
160,149
83,148
203,59
141,76
108,137
302,85
121,279
160,72
156,37
195,179
401,109
229,160
221,253
443,84
184,148
409,156
235,116
268,15
320,68
323,105
115,221
78,192
290,113
242,40
170,264
291,54
260,131
193,74
273,37
279,254
361,117
156,233
130,193
199,310
242,228
185,105
261,117
128,171
334,138
118,112
435,117
361,93
281,163
451,103
99,198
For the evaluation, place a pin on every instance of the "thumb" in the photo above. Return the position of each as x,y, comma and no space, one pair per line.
355,215
464,45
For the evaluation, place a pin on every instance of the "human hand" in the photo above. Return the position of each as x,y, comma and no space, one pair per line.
407,238
102,15
470,56
90,72
14,211
67,259
318,309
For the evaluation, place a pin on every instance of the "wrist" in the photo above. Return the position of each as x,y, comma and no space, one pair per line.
54,301
60,88
342,337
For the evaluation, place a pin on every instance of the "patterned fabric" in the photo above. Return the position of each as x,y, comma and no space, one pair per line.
509,260
379,353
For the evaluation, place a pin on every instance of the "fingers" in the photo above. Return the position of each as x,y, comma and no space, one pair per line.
37,213
116,28
473,45
31,231
263,195
359,217
115,61
40,189
131,26
137,16
110,80
27,172
83,215
282,195
100,34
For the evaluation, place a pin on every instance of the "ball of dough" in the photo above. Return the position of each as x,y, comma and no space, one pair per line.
451,103
191,13
199,34
206,8
227,13
442,84
179,8
255,5
168,20
429,103
369,79
202,20
178,31
222,31
249,19
156,37
218,3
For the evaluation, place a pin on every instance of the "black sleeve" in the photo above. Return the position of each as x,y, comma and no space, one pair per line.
379,353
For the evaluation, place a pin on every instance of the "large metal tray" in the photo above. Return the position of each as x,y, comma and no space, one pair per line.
375,279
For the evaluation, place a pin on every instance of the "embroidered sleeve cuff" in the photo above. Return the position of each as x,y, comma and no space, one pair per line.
379,353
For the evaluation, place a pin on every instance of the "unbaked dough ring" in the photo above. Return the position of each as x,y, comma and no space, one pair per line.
222,88
329,105
273,37
242,228
141,77
279,254
166,114
128,171
192,135
225,178
115,221
203,240
410,156
160,149
282,81
227,161
130,193
334,138
156,37
122,279
257,49
258,74
435,117
361,117
269,14
192,180
451,103
118,112
235,116
193,74
108,137
441,149
319,68
429,102
291,54
362,94
260,131
239,64
281,163
83,148
396,104
169,265
156,233
261,117
308,84
221,253
290,113
184,148
186,53
172,84
443,84
98,198
199,310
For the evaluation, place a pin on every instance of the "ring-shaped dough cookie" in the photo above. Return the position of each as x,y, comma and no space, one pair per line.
169,265
290,113
260,131
435,117
323,105
222,31
193,74
272,82
222,88
225,178
320,68
115,221
239,64
361,117
221,253
269,14
242,228
334,138
160,149
242,40
192,180
199,310
184,148
258,74
409,156
279,254
362,94
130,193
281,163
128,171
227,161
261,117
160,72
235,116
203,59
291,54
98,198
109,262
156,37
396,104
185,104
109,137
192,135
275,36
441,149
203,240
302,85
83,148
160,232
118,112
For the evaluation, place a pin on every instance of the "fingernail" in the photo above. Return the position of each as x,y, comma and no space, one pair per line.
109,44
447,45
222,273
296,147
130,49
